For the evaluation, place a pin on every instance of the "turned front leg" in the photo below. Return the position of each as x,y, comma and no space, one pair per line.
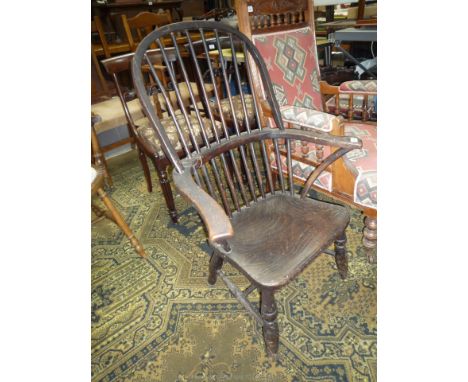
340,256
270,325
216,262
369,239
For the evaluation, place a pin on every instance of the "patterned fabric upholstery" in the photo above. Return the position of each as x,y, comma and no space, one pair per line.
307,117
358,86
238,110
147,133
363,163
110,113
291,114
302,171
291,60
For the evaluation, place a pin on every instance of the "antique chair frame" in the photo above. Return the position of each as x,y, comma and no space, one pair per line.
115,66
191,177
267,16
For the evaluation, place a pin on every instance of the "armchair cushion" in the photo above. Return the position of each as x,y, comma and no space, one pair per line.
359,86
146,132
238,110
307,117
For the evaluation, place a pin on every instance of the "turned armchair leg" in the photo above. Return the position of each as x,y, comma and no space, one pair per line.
146,170
340,256
270,326
117,218
167,191
369,239
216,262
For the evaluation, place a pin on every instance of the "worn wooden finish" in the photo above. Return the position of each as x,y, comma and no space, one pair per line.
268,230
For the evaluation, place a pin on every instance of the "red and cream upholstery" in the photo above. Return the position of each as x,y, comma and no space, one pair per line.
302,155
291,61
362,163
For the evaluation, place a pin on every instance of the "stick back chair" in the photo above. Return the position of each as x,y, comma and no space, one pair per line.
284,33
269,232
147,144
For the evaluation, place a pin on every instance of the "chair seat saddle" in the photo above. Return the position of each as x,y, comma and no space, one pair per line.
294,231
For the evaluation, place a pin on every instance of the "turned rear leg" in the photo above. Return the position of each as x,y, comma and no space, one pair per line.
146,170
216,262
166,190
340,256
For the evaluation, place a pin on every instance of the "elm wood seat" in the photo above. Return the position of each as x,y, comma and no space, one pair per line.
270,231
272,258
284,33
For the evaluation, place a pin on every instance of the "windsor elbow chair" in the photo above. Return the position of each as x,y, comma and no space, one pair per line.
269,231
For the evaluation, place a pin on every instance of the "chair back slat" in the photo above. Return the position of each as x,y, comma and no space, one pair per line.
240,175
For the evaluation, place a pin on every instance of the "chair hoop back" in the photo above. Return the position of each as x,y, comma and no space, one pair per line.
194,64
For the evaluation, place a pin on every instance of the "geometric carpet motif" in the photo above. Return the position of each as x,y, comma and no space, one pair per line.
159,320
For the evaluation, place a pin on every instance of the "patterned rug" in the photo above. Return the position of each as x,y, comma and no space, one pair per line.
159,320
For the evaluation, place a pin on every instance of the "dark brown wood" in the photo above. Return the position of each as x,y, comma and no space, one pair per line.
270,326
216,262
117,67
270,231
340,256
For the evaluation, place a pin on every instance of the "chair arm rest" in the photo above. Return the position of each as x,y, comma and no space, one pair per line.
327,89
216,221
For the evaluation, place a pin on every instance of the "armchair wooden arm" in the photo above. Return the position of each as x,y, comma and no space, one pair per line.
216,221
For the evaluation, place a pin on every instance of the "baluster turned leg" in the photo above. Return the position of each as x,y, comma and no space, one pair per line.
167,191
270,326
340,256
146,170
369,239
216,262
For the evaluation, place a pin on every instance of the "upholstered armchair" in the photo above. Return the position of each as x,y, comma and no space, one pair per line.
283,31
